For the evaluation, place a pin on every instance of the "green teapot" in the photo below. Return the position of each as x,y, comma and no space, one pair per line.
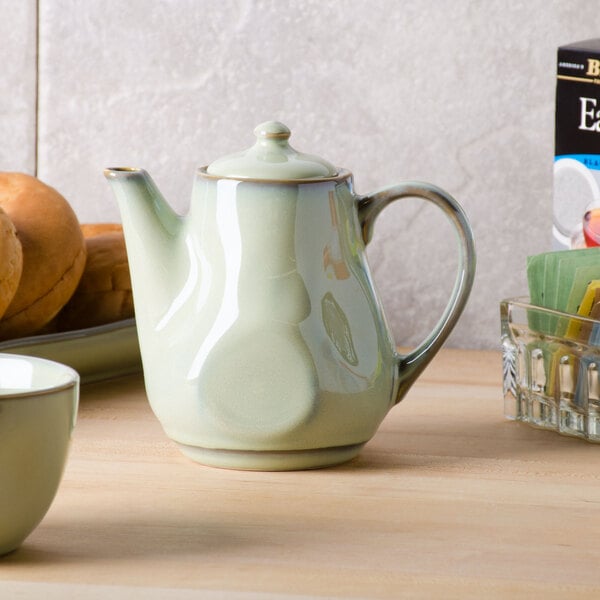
263,342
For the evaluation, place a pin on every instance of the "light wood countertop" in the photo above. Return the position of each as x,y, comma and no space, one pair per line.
449,500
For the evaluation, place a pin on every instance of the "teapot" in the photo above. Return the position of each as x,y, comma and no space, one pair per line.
263,341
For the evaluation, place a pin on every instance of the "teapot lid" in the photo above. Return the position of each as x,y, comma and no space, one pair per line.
271,158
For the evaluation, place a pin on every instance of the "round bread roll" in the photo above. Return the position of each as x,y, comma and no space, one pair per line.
11,261
91,230
53,253
104,292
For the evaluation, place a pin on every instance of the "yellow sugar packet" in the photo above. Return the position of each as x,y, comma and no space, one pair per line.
589,300
588,328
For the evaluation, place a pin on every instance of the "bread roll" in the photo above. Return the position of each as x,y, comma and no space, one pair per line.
104,292
91,230
11,261
53,253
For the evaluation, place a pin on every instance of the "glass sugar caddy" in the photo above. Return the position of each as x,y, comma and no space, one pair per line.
551,369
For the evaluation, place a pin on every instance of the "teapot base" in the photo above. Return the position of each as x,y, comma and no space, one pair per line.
271,460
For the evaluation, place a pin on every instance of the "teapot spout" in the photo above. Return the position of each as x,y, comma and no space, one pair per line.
150,226
141,204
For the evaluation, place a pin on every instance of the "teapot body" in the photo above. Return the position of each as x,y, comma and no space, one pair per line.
270,349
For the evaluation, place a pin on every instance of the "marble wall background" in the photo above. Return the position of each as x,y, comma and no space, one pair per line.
456,92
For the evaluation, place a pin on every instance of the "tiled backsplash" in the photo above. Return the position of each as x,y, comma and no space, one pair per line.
460,93
17,85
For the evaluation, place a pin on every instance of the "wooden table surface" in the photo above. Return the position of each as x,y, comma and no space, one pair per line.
449,500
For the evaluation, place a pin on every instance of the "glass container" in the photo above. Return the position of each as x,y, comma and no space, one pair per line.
551,369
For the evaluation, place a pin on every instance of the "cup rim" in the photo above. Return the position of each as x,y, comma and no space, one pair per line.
72,381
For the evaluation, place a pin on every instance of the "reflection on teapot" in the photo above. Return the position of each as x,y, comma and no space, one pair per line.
338,329
263,342
333,259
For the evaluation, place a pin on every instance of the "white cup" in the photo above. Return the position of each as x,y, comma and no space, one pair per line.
38,409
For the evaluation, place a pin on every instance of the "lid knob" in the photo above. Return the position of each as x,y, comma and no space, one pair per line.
272,130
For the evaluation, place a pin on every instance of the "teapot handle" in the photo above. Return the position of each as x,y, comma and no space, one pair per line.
412,364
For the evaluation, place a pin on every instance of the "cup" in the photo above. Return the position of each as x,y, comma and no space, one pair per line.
38,409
